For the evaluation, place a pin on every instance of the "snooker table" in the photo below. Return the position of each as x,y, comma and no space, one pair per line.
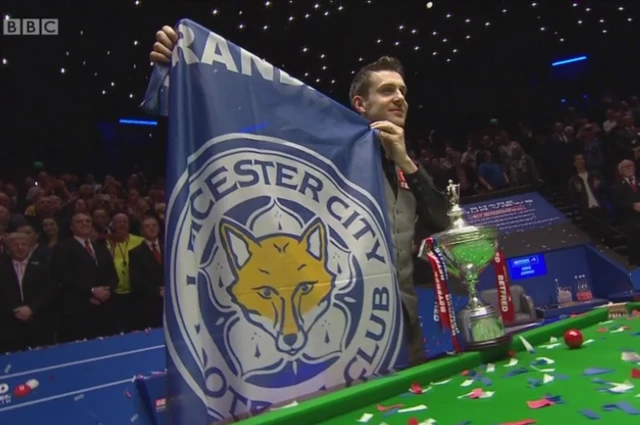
578,382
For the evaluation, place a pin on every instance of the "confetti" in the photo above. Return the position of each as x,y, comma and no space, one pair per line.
382,408
527,344
32,383
635,373
512,363
628,356
7,369
413,421
491,368
618,330
446,381
589,341
413,409
127,394
467,383
537,404
590,414
621,388
627,408
416,388
545,360
516,372
134,418
78,397
547,378
602,330
551,346
523,422
596,371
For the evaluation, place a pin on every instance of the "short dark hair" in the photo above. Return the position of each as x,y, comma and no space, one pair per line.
362,81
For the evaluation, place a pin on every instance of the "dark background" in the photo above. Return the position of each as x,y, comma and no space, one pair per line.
69,121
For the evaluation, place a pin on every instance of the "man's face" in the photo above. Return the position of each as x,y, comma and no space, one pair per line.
19,249
386,99
628,170
579,161
81,225
121,223
101,218
150,229
32,236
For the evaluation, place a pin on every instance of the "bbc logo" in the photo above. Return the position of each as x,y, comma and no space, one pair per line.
30,26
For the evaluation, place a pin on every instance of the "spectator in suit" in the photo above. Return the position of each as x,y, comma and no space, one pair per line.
88,277
626,197
37,251
586,189
26,292
626,137
147,275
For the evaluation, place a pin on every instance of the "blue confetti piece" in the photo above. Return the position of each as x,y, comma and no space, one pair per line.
627,408
465,423
534,382
406,395
561,377
635,334
472,373
516,372
590,414
391,412
554,398
487,382
599,381
596,371
609,407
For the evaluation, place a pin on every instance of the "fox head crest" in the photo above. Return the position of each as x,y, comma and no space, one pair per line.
282,283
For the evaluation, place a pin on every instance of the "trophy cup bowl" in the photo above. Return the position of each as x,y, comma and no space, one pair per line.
467,251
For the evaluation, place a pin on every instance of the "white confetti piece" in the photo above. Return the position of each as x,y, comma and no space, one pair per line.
429,421
78,397
7,369
465,395
467,383
491,368
547,360
527,344
589,341
550,346
621,388
487,394
134,418
553,339
550,370
629,356
446,381
286,406
413,409
512,362
547,378
366,417
32,383
606,322
618,330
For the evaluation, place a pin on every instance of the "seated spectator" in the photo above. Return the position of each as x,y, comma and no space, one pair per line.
591,147
490,175
26,292
626,198
626,137
50,232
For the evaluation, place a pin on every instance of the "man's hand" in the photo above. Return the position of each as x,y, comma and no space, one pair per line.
101,293
166,39
23,313
392,139
636,206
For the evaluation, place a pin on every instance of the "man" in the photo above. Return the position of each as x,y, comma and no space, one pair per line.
626,197
26,295
378,93
88,277
147,275
587,191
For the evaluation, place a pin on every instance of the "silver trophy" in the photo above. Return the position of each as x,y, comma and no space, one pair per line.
467,251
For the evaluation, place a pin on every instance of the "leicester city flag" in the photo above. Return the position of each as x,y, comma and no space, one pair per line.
281,281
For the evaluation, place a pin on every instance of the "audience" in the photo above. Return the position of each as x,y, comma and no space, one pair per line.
83,259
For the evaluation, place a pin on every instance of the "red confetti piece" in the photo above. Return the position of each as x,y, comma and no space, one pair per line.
602,330
511,353
635,313
416,388
465,373
635,373
127,394
413,421
382,408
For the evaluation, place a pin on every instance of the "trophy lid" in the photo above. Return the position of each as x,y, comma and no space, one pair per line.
459,231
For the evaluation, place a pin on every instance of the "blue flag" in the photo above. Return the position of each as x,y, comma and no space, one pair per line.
281,281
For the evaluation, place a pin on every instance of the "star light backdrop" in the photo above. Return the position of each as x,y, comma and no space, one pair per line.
466,62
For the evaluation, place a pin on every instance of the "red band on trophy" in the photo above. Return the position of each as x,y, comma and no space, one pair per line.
444,311
505,301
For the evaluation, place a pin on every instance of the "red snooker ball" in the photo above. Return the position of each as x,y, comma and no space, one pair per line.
573,338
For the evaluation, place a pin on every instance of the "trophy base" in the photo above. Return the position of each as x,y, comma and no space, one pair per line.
493,344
